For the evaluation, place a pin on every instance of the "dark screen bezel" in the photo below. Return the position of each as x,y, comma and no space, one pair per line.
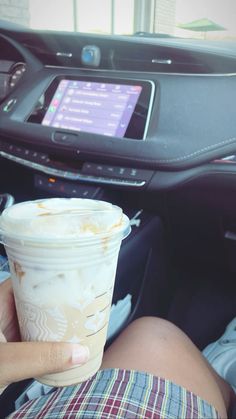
137,125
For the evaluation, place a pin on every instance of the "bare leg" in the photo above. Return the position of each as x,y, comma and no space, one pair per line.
158,347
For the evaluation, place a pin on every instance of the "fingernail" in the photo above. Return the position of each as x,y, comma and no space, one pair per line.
80,354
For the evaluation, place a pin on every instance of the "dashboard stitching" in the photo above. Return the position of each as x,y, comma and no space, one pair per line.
184,157
197,152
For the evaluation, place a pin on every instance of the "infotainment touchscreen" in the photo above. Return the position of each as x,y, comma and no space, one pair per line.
112,107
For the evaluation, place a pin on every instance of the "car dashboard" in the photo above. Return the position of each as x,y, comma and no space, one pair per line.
180,129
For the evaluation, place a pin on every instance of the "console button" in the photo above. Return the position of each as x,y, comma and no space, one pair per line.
64,137
34,156
15,150
133,173
63,188
93,169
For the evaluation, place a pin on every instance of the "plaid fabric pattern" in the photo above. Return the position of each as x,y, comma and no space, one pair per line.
117,393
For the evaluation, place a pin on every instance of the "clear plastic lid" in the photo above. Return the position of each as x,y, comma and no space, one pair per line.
62,218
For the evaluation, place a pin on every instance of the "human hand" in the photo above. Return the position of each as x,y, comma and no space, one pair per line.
21,360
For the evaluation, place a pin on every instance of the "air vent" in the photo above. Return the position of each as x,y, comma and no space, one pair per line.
158,59
170,56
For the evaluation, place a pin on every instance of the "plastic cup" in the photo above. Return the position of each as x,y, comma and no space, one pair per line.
63,265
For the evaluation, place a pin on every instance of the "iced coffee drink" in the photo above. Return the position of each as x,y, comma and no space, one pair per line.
63,257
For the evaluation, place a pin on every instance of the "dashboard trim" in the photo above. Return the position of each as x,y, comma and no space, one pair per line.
72,176
164,73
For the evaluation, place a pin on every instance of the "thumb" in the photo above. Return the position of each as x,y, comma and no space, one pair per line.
22,360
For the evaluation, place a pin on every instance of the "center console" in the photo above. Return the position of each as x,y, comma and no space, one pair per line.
57,127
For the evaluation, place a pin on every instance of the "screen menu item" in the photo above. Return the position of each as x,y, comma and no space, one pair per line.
95,107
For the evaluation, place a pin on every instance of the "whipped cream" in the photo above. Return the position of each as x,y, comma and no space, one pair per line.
62,217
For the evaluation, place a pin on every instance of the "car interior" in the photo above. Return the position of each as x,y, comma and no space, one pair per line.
147,123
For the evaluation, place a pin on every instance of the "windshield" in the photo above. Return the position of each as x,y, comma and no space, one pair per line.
201,19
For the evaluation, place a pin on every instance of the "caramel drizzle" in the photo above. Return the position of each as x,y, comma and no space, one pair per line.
18,271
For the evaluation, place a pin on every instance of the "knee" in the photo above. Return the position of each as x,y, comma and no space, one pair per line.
153,323
158,329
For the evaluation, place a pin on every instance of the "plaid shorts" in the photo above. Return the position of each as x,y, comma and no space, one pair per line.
117,393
